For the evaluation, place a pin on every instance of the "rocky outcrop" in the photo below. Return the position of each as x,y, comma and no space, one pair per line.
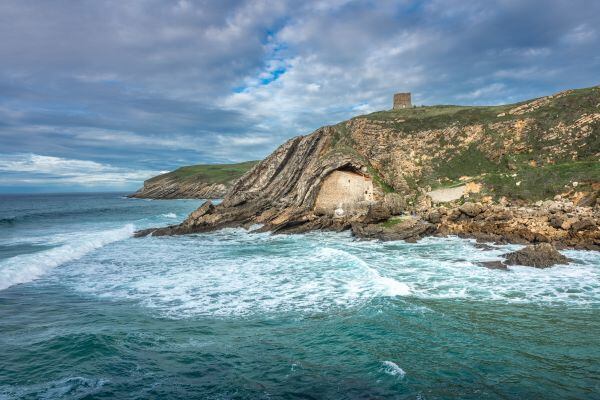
280,191
397,154
173,188
542,255
557,222
207,181
409,229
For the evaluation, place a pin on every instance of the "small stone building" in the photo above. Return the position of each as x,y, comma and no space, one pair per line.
343,192
402,100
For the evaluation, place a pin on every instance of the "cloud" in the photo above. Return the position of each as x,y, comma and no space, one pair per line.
154,84
35,169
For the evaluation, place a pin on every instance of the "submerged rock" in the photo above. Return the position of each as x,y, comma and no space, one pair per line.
493,265
541,255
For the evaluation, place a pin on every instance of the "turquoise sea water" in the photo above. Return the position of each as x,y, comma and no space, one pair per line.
87,311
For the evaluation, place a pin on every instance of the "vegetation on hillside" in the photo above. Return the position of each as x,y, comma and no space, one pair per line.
209,173
531,171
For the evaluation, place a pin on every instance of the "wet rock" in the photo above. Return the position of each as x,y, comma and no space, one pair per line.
493,265
542,255
483,246
409,229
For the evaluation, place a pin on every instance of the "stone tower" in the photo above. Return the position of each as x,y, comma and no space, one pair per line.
402,100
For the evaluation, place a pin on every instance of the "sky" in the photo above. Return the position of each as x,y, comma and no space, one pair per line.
100,95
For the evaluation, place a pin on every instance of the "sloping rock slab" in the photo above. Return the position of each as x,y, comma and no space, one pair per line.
541,255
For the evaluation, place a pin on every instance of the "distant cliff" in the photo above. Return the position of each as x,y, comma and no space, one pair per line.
209,181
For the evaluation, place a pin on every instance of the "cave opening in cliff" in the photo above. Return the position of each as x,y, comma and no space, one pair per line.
344,191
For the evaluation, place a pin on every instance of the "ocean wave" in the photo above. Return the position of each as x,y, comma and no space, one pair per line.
27,267
231,273
170,215
391,368
73,387
367,278
36,216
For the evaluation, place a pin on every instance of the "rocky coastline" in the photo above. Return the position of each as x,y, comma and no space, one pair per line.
558,223
372,175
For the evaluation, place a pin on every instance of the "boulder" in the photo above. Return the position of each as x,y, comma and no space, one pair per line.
541,255
471,209
206,208
377,212
434,216
556,221
587,200
582,224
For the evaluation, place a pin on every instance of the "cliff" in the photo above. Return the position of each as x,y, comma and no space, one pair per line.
512,155
211,181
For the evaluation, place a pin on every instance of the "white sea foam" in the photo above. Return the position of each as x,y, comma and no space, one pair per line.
363,277
170,215
233,273
391,368
27,267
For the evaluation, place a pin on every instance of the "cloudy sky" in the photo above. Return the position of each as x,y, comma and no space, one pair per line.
99,95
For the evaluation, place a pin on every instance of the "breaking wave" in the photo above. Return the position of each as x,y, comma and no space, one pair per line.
27,267
232,273
391,368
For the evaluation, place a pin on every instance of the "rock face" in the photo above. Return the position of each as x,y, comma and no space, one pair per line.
542,255
360,173
211,181
281,191
173,188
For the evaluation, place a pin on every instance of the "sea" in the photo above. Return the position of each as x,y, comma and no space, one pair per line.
89,312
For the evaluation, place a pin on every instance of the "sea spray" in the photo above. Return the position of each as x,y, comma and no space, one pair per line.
27,267
391,368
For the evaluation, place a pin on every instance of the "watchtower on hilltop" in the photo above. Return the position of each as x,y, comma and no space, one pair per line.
402,100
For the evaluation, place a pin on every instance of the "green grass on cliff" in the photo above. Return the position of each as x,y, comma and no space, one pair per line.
437,117
553,174
538,183
209,173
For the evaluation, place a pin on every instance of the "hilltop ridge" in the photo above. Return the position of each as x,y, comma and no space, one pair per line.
203,181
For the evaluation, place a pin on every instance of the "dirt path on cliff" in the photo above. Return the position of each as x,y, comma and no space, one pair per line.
447,194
